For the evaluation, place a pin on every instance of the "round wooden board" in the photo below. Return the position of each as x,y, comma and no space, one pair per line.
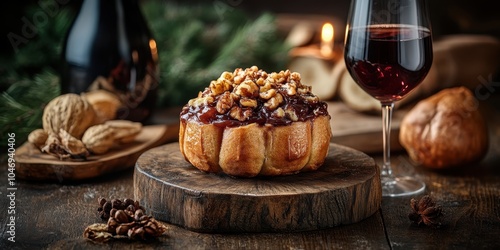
345,190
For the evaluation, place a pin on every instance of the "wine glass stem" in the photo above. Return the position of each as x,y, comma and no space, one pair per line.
387,108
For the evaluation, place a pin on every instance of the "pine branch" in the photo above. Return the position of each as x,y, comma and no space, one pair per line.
21,106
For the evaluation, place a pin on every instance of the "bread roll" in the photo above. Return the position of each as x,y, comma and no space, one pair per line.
445,130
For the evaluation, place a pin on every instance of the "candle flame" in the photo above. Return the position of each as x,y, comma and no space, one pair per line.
327,34
154,49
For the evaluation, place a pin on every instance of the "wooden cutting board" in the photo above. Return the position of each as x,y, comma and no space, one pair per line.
346,189
35,165
362,131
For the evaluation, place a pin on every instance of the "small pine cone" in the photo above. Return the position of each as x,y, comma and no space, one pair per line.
127,218
104,209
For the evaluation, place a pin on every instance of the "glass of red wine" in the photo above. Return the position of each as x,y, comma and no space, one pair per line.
388,52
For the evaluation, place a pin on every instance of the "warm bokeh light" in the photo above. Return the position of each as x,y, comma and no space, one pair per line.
327,36
154,49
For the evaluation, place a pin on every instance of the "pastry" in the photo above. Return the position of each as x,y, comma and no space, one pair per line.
249,123
445,130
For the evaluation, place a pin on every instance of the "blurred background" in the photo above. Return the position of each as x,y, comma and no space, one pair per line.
448,16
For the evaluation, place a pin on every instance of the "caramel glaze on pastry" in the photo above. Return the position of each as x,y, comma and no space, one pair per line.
249,123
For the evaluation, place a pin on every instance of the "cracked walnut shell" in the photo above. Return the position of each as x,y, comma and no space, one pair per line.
64,146
445,130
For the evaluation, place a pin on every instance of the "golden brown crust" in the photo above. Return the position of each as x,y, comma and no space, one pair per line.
320,135
242,151
199,143
445,130
288,148
252,150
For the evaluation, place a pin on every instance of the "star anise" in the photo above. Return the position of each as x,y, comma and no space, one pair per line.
425,211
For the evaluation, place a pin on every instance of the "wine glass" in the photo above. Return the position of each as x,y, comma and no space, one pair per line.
388,52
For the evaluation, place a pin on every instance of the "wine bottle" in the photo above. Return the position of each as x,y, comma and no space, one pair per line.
109,46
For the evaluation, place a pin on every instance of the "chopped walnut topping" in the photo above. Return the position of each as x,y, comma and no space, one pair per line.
240,114
201,101
243,93
274,102
290,113
226,75
260,81
225,103
295,76
247,102
312,99
279,112
268,94
268,85
291,88
247,89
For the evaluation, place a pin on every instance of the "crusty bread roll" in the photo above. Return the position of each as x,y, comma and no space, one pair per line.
445,130
249,123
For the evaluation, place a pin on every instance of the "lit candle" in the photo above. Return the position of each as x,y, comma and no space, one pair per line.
327,34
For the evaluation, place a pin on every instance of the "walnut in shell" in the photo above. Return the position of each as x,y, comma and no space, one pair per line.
105,104
69,112
125,130
99,139
38,137
445,130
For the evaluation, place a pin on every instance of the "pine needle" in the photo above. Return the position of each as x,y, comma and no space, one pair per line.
21,106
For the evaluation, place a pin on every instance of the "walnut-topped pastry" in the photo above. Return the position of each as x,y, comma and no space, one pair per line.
249,122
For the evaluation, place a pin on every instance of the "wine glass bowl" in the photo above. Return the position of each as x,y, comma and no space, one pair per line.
388,52
398,59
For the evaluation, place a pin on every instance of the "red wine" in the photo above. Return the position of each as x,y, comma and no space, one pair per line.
388,61
109,46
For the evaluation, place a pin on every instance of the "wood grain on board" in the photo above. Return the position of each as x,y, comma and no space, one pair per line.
35,165
345,190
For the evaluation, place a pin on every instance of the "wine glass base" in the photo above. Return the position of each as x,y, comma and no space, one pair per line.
401,186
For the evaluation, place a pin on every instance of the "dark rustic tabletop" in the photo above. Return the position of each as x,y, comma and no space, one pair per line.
54,215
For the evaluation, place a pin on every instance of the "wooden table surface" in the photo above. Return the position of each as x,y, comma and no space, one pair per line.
54,215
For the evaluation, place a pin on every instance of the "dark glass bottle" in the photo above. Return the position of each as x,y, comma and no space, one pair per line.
109,46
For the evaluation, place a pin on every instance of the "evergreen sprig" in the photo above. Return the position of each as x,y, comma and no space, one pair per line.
21,105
